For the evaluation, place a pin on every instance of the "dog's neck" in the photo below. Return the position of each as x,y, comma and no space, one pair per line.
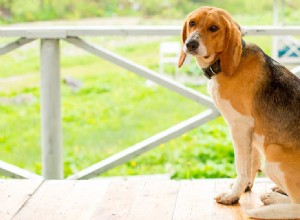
215,68
212,70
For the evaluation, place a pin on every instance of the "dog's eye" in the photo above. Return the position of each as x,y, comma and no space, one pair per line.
192,23
213,28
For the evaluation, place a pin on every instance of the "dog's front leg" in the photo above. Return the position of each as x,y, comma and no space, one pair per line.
242,136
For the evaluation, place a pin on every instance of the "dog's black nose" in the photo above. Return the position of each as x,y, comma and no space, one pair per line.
192,45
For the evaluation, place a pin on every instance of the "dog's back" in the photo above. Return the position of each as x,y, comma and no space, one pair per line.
277,103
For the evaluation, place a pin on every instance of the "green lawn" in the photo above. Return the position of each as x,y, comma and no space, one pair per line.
112,111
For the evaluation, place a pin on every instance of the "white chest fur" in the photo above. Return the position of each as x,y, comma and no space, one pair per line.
239,124
225,107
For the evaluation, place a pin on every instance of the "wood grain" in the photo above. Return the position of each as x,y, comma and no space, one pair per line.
115,199
14,194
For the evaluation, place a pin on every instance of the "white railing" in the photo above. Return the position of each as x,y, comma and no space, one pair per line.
52,161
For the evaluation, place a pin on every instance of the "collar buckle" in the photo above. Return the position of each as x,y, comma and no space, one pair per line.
212,70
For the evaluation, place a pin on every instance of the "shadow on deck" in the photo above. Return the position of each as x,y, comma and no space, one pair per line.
138,198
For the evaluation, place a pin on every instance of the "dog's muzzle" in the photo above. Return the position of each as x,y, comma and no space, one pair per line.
192,45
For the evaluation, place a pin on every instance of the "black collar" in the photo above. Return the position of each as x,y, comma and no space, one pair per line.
212,70
215,68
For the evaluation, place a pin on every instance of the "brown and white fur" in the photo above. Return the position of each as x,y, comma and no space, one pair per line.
260,100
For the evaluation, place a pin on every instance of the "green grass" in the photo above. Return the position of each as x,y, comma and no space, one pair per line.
112,111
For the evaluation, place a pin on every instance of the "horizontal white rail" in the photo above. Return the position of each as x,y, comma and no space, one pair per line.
79,31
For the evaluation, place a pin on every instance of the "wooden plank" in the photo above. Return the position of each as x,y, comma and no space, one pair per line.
156,201
64,200
46,200
119,199
259,188
14,194
84,200
247,201
225,212
195,200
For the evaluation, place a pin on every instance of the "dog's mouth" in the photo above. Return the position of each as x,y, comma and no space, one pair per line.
196,53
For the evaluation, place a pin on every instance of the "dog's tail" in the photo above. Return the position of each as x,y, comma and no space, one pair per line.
276,211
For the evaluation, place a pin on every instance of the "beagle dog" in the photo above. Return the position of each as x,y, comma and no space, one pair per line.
260,101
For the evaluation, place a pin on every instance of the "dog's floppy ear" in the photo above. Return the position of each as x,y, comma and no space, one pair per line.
231,56
183,54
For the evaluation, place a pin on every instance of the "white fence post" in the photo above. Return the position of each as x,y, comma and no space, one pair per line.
51,110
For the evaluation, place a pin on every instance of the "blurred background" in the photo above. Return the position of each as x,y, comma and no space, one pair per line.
248,12
106,109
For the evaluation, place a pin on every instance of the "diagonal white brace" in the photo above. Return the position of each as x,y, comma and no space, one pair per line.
145,145
143,71
12,171
14,45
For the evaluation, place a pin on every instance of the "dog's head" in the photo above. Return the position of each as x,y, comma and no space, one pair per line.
210,33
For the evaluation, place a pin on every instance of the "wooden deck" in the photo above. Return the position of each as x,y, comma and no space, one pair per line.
138,199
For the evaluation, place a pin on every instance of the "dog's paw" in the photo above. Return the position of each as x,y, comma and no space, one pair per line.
227,199
273,198
267,199
278,190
